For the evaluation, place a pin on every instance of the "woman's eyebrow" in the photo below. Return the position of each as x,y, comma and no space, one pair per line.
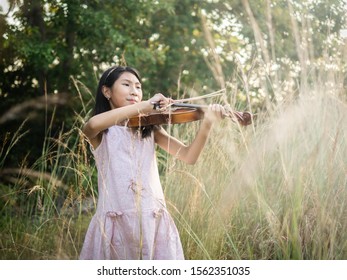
127,80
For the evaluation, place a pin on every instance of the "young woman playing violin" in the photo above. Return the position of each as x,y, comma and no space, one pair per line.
131,219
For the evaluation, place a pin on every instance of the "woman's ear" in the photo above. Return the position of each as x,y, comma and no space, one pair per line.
106,91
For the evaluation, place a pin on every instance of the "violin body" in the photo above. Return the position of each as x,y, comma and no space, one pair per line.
184,113
180,115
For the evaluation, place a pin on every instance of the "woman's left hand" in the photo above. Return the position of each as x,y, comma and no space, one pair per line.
215,112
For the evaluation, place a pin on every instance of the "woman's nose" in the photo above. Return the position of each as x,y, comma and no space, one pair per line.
134,91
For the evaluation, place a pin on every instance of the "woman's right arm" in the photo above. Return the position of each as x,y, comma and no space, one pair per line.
98,123
101,122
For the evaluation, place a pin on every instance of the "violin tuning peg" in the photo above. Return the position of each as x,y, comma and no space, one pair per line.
246,118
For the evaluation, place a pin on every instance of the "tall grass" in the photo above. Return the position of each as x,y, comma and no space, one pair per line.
274,190
278,195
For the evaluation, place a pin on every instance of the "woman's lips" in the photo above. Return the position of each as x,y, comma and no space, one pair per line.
132,100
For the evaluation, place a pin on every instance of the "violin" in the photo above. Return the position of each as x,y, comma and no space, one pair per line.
184,113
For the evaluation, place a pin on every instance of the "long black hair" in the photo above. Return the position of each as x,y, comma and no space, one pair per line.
108,78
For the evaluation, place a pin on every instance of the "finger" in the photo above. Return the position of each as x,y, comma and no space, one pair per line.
220,111
215,108
211,107
223,112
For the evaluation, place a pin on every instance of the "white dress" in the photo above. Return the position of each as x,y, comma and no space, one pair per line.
131,219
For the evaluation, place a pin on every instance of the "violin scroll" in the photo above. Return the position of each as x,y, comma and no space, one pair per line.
243,118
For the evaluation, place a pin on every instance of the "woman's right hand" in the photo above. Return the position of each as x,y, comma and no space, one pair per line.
159,102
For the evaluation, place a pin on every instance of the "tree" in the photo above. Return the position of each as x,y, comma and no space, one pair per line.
177,46
52,41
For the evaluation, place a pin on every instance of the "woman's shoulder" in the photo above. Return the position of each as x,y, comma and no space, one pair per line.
100,137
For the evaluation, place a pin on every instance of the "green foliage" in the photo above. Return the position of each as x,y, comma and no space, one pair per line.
52,41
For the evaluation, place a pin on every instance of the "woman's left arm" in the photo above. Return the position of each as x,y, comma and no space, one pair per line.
189,154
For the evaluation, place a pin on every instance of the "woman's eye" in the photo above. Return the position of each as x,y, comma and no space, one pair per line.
126,85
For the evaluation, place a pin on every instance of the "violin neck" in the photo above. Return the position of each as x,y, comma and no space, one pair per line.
244,118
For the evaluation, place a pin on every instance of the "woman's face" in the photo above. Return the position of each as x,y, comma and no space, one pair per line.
125,91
